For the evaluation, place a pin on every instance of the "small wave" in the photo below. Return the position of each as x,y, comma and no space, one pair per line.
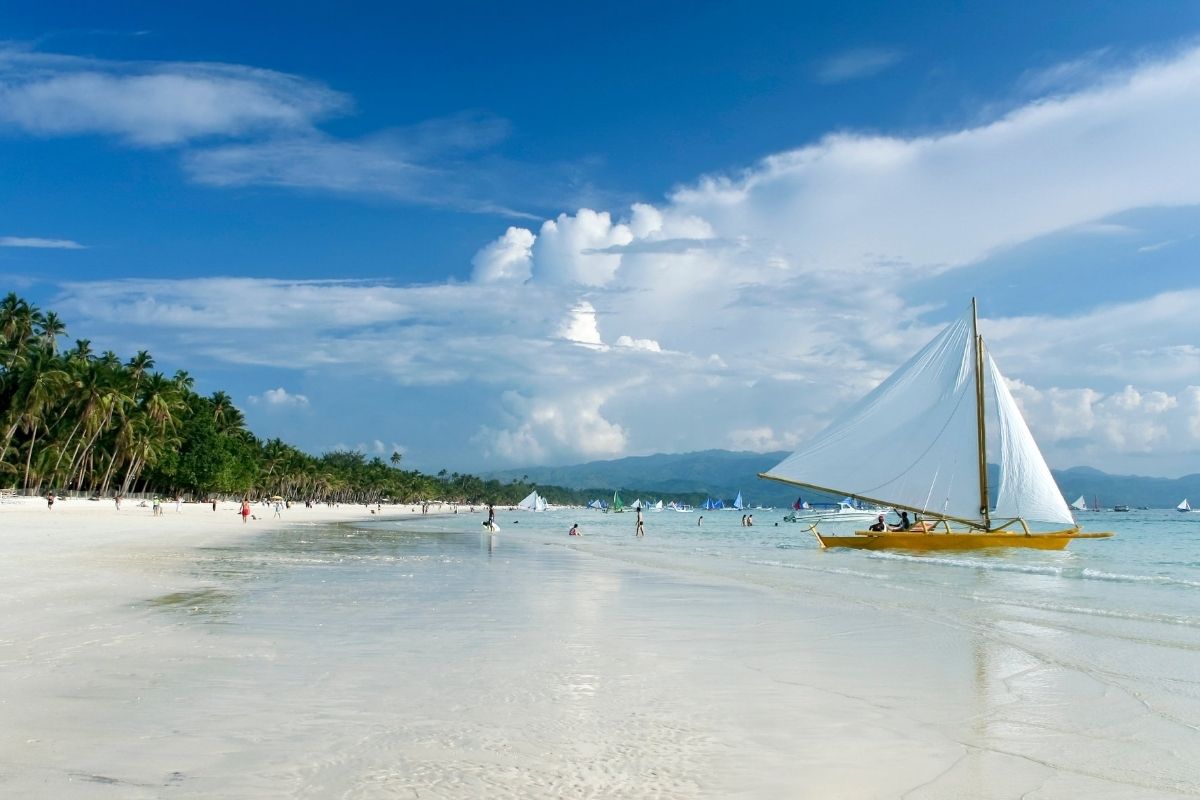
1091,611
1077,573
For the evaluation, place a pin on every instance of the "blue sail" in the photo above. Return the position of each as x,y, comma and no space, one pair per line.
738,502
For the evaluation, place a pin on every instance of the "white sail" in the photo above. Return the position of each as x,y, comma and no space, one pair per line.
529,503
1080,504
532,502
1184,506
737,504
912,442
1027,489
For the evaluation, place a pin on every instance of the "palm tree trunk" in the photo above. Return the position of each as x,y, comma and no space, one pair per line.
29,456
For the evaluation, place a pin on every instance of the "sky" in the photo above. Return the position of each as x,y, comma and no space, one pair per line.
492,235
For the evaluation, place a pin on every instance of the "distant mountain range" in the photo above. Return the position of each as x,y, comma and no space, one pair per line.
724,473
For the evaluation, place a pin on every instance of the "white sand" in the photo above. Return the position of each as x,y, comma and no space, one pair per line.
145,657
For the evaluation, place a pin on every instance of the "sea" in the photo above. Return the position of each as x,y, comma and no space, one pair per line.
424,657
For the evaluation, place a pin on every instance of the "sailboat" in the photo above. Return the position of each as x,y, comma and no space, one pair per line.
1184,506
918,443
533,502
1080,504
737,504
617,506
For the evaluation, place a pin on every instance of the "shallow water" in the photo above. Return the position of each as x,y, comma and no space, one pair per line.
422,658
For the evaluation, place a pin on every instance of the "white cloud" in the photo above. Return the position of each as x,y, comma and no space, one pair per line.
639,344
508,259
760,439
551,427
565,250
154,103
238,125
758,305
864,204
859,63
279,398
580,325
51,244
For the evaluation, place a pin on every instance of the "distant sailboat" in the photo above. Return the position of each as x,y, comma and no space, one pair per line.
933,409
617,506
737,504
1184,506
533,502
1081,504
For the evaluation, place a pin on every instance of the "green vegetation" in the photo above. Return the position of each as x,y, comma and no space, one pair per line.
76,420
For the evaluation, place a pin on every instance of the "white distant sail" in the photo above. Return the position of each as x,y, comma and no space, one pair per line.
1080,504
737,504
1184,506
915,443
533,502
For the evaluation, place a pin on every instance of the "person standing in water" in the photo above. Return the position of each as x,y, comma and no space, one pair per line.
700,521
641,528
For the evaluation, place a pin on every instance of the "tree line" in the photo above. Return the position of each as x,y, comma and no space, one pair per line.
74,420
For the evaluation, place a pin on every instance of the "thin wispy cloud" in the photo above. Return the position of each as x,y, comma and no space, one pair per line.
1069,75
236,125
37,243
154,104
855,64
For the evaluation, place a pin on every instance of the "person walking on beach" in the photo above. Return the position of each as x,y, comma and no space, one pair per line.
641,528
156,507
245,510
50,502
117,500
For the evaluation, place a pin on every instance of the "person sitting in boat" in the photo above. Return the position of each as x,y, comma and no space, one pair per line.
905,523
879,525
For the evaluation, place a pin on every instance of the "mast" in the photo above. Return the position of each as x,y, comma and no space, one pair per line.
984,503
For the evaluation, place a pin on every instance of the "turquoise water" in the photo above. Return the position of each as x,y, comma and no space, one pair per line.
1149,571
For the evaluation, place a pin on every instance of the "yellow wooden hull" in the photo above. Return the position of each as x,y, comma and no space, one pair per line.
964,540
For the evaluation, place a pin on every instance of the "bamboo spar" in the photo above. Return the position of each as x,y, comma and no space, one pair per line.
984,501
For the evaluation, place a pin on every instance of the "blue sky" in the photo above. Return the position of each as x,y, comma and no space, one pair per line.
492,235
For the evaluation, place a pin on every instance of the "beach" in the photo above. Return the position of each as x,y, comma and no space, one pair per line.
335,653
